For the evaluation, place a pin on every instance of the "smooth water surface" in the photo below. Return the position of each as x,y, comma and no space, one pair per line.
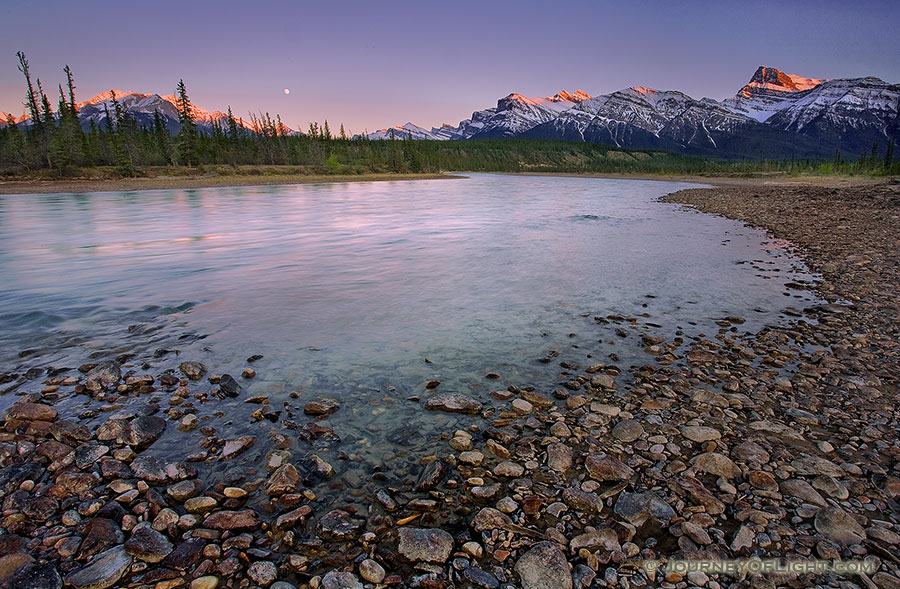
365,291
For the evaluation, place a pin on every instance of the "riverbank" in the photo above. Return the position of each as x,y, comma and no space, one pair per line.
216,177
780,443
164,178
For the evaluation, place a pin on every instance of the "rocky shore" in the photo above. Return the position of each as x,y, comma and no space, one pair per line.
780,443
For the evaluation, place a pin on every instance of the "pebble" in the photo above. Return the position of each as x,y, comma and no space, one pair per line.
627,430
371,571
263,572
424,544
544,566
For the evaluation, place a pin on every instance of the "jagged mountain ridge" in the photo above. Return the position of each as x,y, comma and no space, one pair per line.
773,115
513,114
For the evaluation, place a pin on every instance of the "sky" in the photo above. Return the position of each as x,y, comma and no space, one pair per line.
372,64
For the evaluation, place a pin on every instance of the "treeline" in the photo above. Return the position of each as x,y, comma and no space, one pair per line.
55,142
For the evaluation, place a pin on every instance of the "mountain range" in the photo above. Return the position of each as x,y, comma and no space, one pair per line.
142,108
775,115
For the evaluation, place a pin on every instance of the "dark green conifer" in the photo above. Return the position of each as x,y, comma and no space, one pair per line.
187,135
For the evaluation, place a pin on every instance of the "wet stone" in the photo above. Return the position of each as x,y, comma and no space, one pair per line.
489,519
200,505
232,520
100,533
607,468
485,493
142,431
371,571
193,370
432,475
205,582
103,571
103,376
582,500
321,407
185,554
340,580
184,490
237,446
86,455
544,566
149,468
480,578
37,576
338,526
385,499
263,572
30,412
509,469
641,509
471,458
283,480
559,457
291,518
147,544
11,564
228,386
453,403
424,544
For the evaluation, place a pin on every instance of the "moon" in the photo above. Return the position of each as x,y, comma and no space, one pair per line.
287,90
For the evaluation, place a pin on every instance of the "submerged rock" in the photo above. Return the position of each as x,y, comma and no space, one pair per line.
338,526
321,408
193,370
453,403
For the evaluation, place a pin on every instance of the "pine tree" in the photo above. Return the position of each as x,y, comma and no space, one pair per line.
232,126
187,135
163,139
326,132
343,133
30,97
48,127
122,138
873,159
889,157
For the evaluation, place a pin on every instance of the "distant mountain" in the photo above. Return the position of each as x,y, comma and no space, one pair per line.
774,115
142,107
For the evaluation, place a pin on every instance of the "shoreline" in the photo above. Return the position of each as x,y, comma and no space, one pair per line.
779,443
82,185
214,179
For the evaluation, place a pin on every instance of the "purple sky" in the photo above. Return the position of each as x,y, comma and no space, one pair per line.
372,64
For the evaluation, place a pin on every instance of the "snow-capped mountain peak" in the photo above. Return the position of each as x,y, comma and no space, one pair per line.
769,91
773,79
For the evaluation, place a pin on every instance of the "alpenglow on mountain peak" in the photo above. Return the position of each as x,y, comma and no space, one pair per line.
774,115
